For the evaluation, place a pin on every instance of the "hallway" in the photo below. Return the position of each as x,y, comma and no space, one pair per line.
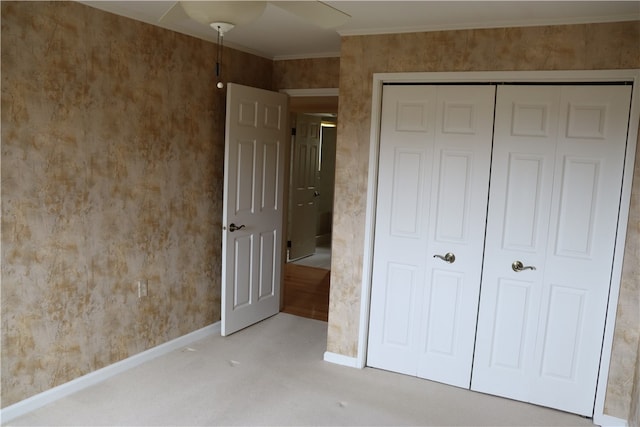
306,291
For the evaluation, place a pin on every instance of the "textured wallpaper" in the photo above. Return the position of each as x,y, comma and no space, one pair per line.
306,73
112,168
569,47
625,361
634,411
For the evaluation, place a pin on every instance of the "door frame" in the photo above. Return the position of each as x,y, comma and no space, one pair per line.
581,76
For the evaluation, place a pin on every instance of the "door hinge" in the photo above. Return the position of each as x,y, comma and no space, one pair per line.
288,243
293,131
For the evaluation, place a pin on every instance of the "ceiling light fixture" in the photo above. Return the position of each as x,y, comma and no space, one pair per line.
221,28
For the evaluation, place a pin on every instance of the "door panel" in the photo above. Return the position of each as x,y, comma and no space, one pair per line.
243,252
432,195
522,202
444,305
591,147
398,318
517,226
304,186
577,205
270,198
253,176
457,210
566,312
452,214
268,259
406,151
555,190
407,192
245,183
513,305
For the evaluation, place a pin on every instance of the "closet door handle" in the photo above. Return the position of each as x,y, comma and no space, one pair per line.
517,266
448,257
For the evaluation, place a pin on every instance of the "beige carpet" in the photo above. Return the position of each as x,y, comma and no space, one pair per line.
320,259
273,374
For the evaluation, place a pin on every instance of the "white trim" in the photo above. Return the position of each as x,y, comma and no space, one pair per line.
508,76
49,396
488,25
340,359
609,421
498,77
294,93
616,276
370,222
307,56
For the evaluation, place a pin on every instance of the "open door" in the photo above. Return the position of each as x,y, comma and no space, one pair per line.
254,173
304,186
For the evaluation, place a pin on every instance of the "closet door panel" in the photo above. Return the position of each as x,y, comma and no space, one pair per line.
517,227
452,212
398,308
522,202
443,311
583,221
565,228
406,193
432,193
406,166
457,212
513,305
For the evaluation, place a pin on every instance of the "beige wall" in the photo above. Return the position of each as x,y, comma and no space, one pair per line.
112,167
624,385
634,411
572,47
310,73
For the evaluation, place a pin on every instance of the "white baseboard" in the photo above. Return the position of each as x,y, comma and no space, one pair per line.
41,399
340,359
323,239
608,421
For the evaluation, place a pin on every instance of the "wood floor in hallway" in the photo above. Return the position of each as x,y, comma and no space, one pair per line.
306,291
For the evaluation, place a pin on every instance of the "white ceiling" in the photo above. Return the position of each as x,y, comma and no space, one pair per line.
278,34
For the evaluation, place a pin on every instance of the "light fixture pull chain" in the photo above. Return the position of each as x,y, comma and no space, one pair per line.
220,85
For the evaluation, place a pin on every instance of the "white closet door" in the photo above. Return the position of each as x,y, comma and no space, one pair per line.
555,191
432,192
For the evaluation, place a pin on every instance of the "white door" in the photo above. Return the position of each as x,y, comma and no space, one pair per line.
435,152
555,191
304,187
256,132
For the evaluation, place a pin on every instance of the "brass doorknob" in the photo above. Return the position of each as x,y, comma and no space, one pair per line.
448,257
517,266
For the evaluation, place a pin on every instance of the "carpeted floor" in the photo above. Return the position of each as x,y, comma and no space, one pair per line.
273,374
320,259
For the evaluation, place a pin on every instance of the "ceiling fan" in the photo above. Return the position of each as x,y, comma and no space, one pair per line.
233,13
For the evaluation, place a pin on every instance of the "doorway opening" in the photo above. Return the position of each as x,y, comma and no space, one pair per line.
310,214
313,152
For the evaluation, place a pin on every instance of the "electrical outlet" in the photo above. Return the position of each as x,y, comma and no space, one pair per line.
143,288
